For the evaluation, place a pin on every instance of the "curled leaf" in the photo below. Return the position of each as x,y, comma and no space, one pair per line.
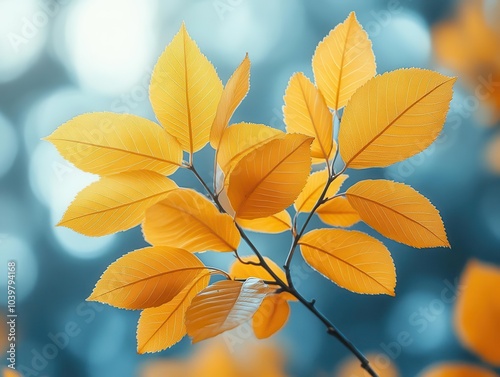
271,316
223,306
234,92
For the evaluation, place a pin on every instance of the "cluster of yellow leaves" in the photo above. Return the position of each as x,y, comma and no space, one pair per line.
260,173
215,359
476,322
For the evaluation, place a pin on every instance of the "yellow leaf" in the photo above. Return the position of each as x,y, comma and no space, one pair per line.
234,92
116,202
338,212
343,61
280,222
161,327
478,311
185,91
147,277
398,212
394,116
240,270
306,113
272,315
351,259
223,306
108,143
188,220
457,370
314,188
269,179
240,139
380,363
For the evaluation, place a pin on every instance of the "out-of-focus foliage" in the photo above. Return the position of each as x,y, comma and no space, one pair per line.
216,359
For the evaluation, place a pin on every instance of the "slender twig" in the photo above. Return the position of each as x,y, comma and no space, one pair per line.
284,287
252,263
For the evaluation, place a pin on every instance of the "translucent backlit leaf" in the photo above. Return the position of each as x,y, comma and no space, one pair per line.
188,220
240,139
269,179
351,259
185,91
147,277
306,113
161,327
343,61
108,143
394,116
234,92
314,188
338,212
223,306
271,316
280,222
478,310
398,212
457,370
116,202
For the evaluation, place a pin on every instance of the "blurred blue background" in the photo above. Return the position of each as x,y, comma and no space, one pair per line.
61,58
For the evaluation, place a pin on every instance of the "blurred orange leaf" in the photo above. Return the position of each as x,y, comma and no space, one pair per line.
185,91
116,202
394,116
161,327
188,220
107,143
380,363
478,311
306,113
147,277
398,212
269,179
343,61
338,212
351,259
457,370
271,316
234,92
223,306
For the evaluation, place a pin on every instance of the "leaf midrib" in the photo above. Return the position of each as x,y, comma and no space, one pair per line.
349,264
398,213
370,142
